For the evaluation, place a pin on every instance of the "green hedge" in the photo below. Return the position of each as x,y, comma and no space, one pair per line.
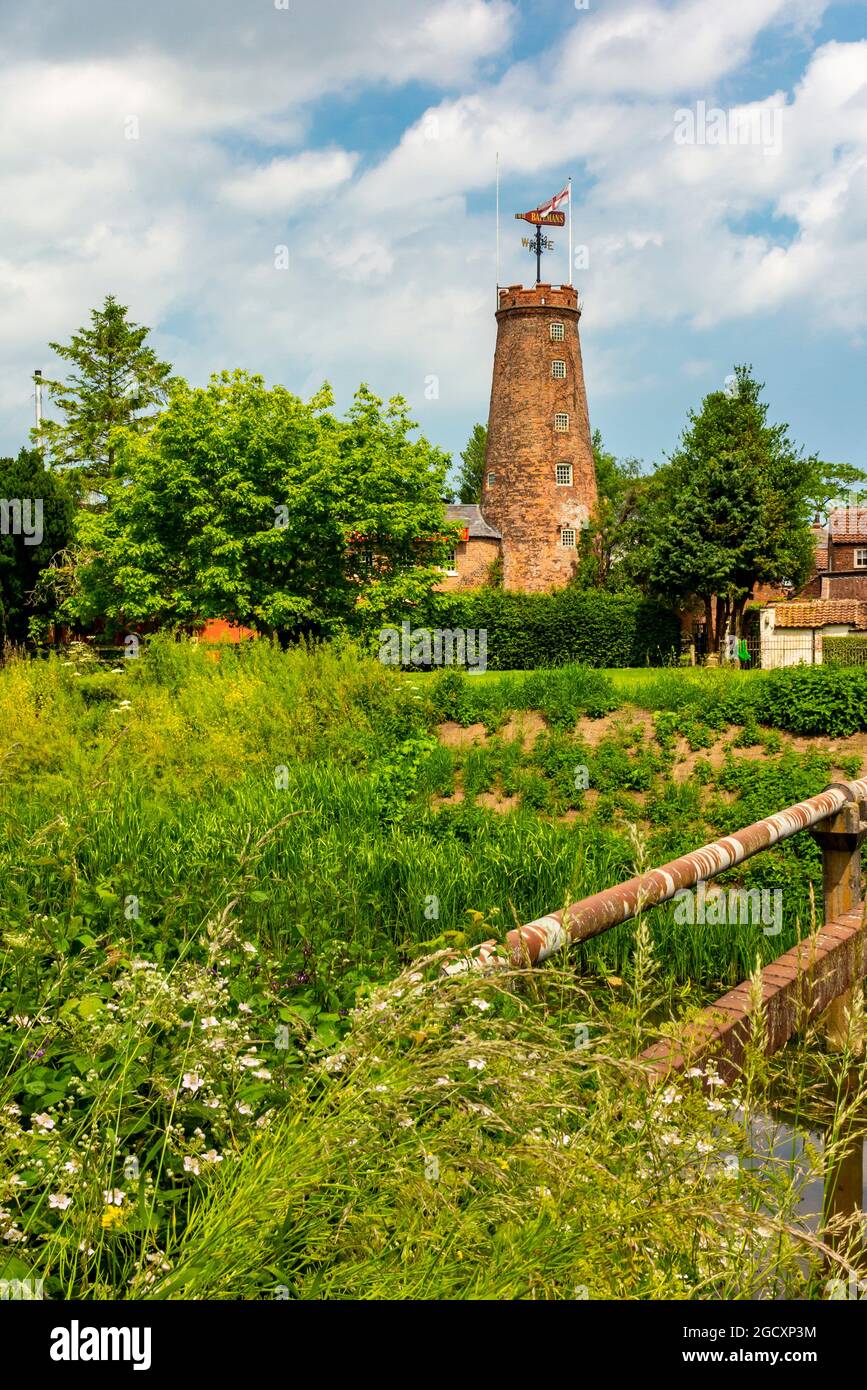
844,651
529,631
827,700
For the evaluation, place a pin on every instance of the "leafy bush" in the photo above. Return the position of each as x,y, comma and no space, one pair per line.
563,696
844,651
531,631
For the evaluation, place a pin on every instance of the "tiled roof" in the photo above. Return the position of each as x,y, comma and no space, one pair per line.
848,525
821,613
471,516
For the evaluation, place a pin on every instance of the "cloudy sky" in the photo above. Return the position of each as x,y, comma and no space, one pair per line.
305,188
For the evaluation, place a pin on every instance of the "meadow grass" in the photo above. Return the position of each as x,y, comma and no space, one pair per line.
212,863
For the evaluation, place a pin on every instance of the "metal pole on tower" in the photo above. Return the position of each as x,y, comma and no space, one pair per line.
570,232
37,378
498,229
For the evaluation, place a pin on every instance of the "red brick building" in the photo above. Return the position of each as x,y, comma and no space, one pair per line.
539,487
841,556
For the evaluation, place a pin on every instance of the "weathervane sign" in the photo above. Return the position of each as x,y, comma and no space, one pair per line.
540,219
545,215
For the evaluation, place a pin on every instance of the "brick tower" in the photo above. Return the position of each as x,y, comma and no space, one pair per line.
540,481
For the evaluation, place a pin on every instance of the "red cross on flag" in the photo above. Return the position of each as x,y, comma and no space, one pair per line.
553,203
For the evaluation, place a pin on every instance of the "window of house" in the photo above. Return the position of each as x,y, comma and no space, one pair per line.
558,369
561,422
492,477
861,559
558,333
567,538
451,562
564,474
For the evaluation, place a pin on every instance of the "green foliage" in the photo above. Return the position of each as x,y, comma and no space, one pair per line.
472,470
606,545
844,651
563,696
732,508
117,383
46,503
267,814
526,631
246,503
460,1146
824,700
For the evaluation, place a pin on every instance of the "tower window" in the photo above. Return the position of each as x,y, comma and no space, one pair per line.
558,370
567,538
561,422
564,474
558,332
492,478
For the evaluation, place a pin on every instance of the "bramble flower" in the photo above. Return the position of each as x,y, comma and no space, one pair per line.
480,1004
477,1064
59,1200
191,1165
43,1121
114,1196
191,1081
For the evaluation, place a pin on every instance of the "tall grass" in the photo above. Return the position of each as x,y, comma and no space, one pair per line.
209,861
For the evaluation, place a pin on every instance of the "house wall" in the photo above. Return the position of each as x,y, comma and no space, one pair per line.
844,585
474,559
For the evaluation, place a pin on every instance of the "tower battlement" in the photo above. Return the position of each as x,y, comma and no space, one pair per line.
538,296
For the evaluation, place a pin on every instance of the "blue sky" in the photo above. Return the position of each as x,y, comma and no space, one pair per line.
165,152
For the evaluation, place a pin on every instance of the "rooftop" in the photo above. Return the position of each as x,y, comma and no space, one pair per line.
822,613
471,515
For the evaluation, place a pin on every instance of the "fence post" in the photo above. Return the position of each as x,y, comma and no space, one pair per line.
840,838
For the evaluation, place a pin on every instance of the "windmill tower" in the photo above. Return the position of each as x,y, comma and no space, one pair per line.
540,480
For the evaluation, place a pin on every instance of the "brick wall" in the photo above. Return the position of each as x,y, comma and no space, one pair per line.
525,502
844,585
473,560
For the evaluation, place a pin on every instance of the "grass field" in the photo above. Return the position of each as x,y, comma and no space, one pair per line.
232,1065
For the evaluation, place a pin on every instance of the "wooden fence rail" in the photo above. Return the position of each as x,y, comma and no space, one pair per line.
816,977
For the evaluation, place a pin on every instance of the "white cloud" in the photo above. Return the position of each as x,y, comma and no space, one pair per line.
391,265
312,179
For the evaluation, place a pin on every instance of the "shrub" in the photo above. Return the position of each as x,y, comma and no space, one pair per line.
593,628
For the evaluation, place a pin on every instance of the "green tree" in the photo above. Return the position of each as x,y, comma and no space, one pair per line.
36,518
247,503
731,508
606,544
117,382
472,470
